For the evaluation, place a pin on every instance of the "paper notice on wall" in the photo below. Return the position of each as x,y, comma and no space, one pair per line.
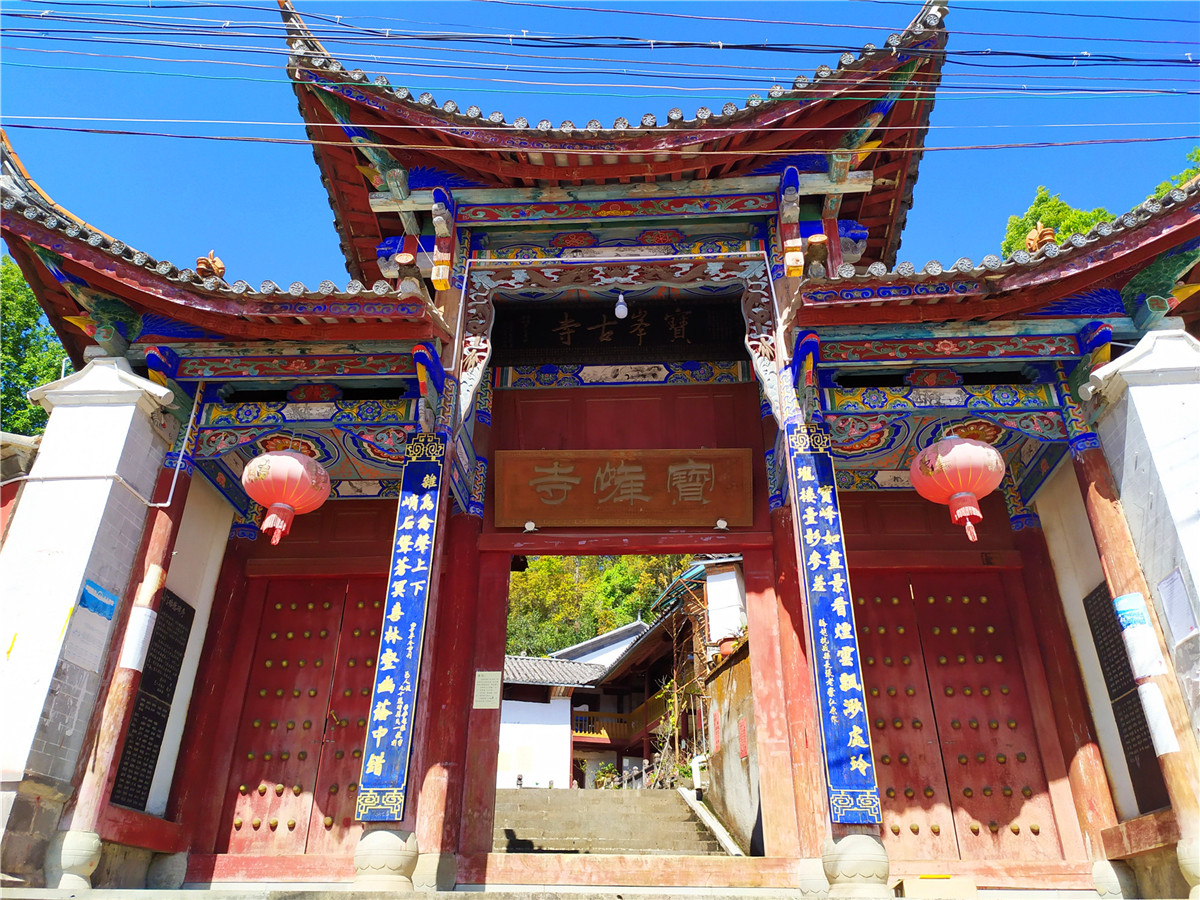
1162,735
487,690
137,638
87,637
1180,615
1141,643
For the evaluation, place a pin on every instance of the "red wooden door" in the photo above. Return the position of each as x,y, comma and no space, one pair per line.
954,741
332,829
295,765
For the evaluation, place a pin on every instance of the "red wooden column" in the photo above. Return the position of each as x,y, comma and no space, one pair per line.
1123,574
808,785
777,797
483,729
1090,790
106,732
439,758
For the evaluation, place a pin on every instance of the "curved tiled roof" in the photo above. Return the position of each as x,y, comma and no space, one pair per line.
550,671
236,308
309,52
993,267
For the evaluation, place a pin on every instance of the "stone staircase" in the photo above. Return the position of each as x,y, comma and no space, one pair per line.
536,820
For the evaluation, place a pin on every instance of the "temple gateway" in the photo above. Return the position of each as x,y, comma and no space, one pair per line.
689,336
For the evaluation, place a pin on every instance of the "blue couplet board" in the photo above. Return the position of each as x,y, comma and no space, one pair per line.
845,728
383,784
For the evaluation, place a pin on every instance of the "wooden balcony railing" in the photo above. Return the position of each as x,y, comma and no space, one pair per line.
618,726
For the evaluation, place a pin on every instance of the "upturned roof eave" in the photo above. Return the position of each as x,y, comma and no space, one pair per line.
29,216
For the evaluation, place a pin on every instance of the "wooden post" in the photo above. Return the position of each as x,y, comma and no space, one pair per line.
1090,790
1123,573
483,729
777,798
812,806
440,755
106,733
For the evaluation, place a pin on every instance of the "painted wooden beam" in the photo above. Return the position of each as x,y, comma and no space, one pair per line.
808,184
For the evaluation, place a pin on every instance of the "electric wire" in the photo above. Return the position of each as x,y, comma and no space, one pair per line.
588,151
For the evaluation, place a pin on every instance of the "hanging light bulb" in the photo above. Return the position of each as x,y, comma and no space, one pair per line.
621,310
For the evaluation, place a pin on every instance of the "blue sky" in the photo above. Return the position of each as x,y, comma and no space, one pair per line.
263,210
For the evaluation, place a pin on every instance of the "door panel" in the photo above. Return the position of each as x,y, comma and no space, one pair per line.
917,818
993,765
955,750
332,829
279,739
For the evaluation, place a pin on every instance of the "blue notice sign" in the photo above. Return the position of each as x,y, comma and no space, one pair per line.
101,601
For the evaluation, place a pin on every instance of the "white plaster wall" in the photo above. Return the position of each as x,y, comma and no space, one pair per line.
1151,438
535,742
726,605
62,533
1077,571
592,760
192,576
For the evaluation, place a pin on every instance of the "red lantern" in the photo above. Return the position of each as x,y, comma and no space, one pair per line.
288,484
957,472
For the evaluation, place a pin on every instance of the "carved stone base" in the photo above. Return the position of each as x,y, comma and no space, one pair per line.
167,871
384,860
1114,880
435,872
71,859
1188,852
857,867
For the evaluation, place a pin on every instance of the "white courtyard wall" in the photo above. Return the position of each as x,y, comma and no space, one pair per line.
535,743
1150,432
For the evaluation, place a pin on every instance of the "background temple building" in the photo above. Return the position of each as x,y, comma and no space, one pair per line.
688,336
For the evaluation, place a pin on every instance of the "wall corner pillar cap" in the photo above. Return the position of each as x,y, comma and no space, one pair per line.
1160,358
107,381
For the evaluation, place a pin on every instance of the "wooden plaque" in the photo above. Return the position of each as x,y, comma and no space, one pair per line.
570,488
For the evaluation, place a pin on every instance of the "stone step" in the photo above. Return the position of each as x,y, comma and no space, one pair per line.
693,847
581,821
345,893
652,836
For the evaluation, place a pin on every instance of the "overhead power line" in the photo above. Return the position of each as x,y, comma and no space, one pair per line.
446,148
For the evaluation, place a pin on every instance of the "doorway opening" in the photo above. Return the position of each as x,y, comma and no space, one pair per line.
603,704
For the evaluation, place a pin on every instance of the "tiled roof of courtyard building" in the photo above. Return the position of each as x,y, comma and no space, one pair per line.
545,670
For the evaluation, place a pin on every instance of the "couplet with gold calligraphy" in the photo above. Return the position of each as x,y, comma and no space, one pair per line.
624,487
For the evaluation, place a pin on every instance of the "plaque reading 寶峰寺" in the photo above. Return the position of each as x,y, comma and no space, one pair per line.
569,488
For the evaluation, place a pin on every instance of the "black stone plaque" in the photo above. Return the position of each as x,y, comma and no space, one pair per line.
139,757
1144,771
167,646
152,706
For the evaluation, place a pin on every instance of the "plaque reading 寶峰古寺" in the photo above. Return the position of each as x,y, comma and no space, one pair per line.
570,488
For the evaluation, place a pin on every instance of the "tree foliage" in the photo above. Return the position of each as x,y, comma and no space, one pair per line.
562,600
30,352
1183,177
1053,212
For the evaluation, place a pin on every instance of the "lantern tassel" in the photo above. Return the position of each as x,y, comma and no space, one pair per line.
964,510
278,521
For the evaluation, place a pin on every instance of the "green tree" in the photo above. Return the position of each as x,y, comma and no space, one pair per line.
1053,212
30,352
1183,177
562,600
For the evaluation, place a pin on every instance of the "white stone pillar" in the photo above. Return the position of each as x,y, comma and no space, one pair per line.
79,523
